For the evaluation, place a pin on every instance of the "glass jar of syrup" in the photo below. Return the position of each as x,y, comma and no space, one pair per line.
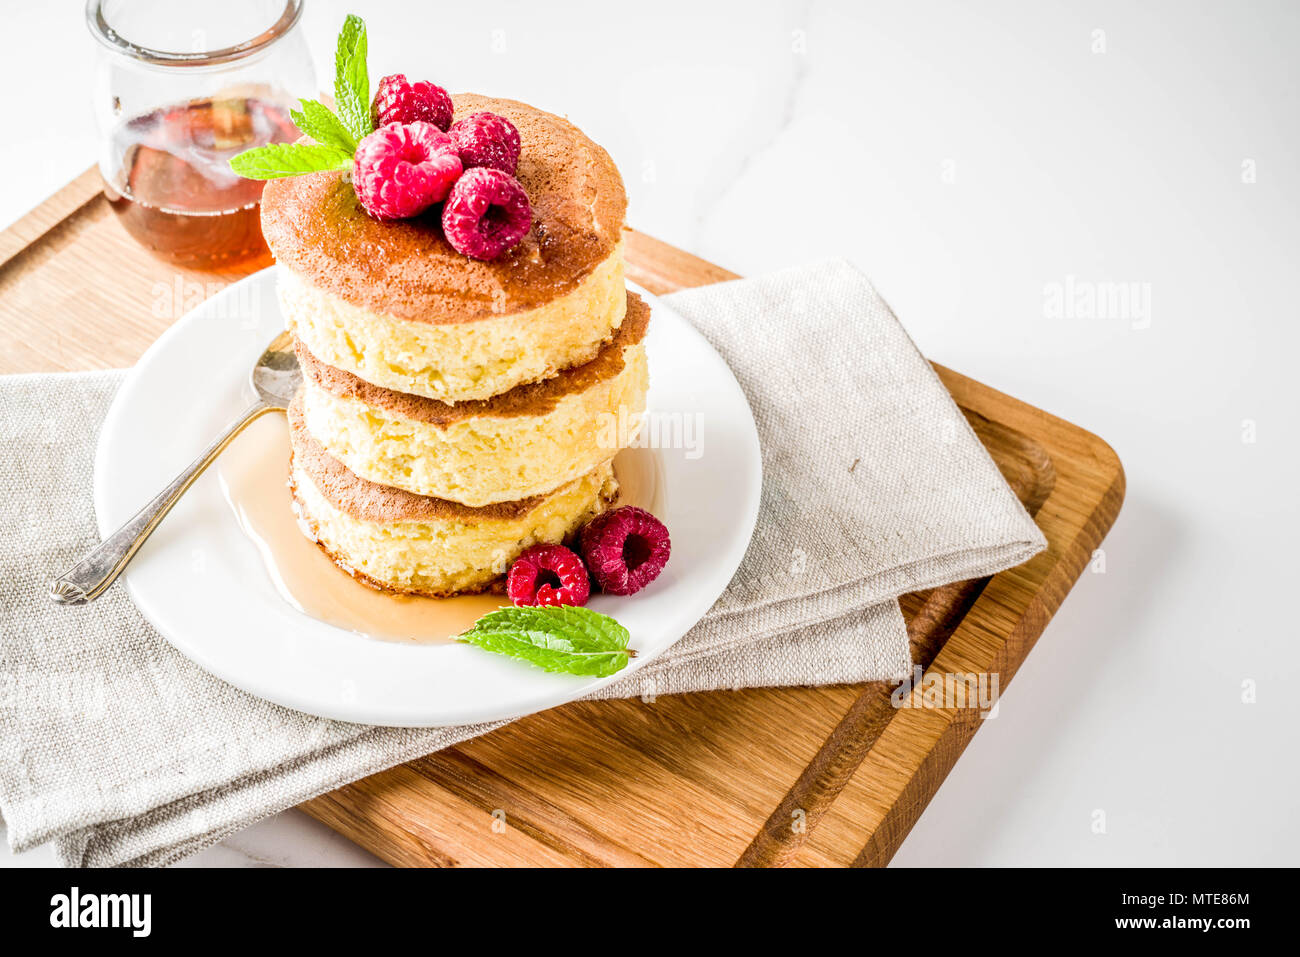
181,86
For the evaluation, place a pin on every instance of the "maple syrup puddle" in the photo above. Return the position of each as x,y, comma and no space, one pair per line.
254,473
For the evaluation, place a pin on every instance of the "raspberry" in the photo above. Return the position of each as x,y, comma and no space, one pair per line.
486,139
402,169
397,101
625,549
486,213
548,575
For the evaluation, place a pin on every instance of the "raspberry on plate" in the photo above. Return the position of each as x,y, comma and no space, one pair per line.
625,549
397,101
548,575
486,213
402,169
486,139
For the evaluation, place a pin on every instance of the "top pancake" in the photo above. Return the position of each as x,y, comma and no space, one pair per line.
317,228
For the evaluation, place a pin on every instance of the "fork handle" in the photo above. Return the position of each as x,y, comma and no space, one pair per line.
90,577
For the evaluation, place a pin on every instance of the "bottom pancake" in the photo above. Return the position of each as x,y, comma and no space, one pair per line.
411,544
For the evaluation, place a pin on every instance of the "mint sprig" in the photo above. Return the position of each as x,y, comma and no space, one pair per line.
563,638
352,78
321,123
336,135
289,159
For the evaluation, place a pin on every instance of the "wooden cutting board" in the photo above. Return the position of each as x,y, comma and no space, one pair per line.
807,776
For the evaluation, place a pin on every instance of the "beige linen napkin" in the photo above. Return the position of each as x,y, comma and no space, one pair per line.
123,752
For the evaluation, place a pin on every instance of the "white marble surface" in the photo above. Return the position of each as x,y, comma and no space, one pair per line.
967,156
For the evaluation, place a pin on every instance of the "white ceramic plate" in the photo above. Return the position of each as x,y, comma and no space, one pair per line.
201,583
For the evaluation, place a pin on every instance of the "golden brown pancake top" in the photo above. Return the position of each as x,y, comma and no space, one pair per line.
371,502
537,398
316,227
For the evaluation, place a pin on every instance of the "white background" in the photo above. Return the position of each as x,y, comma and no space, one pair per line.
967,156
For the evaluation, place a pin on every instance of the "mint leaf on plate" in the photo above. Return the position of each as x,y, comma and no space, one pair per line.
289,159
561,638
320,123
351,78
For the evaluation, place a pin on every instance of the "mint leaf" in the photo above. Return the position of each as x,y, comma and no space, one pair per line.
320,123
351,79
288,159
561,638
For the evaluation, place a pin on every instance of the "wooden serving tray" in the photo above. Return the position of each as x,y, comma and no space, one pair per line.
811,776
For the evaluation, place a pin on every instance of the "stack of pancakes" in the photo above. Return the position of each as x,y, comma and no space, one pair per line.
455,412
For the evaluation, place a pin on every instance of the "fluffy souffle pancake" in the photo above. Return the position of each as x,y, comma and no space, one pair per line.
528,441
401,542
394,304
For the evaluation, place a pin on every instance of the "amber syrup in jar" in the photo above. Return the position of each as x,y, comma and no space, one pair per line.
174,190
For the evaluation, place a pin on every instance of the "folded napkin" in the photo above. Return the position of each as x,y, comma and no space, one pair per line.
123,752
